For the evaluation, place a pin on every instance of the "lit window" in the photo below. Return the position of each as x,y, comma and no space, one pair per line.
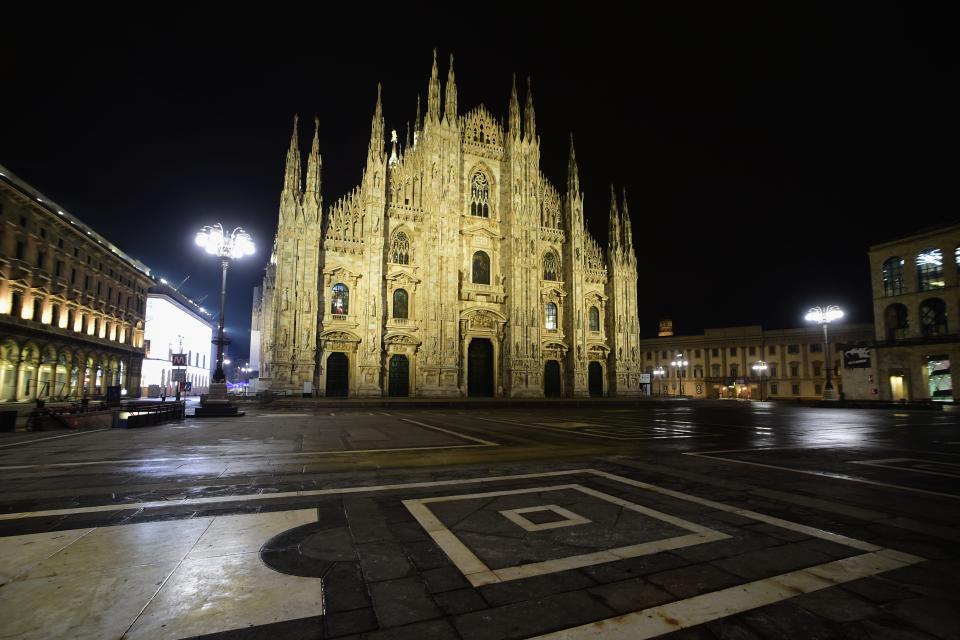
400,300
891,273
480,196
930,269
481,268
340,304
595,322
400,249
551,266
551,315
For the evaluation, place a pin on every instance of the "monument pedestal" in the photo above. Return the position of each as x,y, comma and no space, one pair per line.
216,404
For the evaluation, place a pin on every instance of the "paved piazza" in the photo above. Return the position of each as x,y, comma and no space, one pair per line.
707,520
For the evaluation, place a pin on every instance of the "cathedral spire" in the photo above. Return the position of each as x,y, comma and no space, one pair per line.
291,180
614,235
627,227
433,91
514,117
573,171
450,91
376,127
314,165
530,120
418,123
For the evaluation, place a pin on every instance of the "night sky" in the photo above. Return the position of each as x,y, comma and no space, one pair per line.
763,152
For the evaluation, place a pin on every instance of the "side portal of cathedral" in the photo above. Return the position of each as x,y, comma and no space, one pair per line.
454,268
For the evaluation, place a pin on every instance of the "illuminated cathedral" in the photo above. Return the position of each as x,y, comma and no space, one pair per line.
454,268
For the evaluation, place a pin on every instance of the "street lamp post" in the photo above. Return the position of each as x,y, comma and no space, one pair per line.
658,373
824,316
680,364
760,366
227,247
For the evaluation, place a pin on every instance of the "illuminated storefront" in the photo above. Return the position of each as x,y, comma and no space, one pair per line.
175,325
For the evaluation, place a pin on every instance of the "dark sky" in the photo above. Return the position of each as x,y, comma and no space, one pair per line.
763,149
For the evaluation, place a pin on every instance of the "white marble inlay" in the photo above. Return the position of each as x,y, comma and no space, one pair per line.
478,573
568,518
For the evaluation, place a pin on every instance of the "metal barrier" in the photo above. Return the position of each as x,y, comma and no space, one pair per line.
142,415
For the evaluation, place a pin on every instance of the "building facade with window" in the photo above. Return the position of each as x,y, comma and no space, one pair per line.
721,361
916,307
174,324
71,303
454,268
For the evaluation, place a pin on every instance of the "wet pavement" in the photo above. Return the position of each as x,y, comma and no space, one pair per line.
720,520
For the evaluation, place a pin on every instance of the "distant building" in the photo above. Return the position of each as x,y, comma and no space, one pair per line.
721,361
71,303
916,310
174,324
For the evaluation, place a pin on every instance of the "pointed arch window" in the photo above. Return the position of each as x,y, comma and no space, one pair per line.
400,248
340,303
481,268
479,196
595,322
551,312
400,303
551,266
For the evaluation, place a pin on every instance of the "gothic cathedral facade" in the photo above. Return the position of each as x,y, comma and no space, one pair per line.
455,268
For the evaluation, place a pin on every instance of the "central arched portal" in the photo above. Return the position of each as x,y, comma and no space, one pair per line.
399,376
595,379
338,376
551,379
480,368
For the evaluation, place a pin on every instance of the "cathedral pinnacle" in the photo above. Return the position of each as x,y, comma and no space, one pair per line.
530,120
627,226
393,148
291,181
514,116
573,171
450,108
314,165
376,126
433,91
614,234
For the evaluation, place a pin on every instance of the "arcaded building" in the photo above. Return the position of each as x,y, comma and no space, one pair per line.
454,268
916,309
72,304
721,361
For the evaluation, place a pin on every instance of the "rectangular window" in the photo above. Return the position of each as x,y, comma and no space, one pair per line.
793,348
816,348
772,349
60,243
774,389
73,276
59,268
86,283
99,288
794,371
773,370
43,233
21,249
816,369
795,389
76,252
715,352
753,351
733,351
41,259
649,356
817,389
23,221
